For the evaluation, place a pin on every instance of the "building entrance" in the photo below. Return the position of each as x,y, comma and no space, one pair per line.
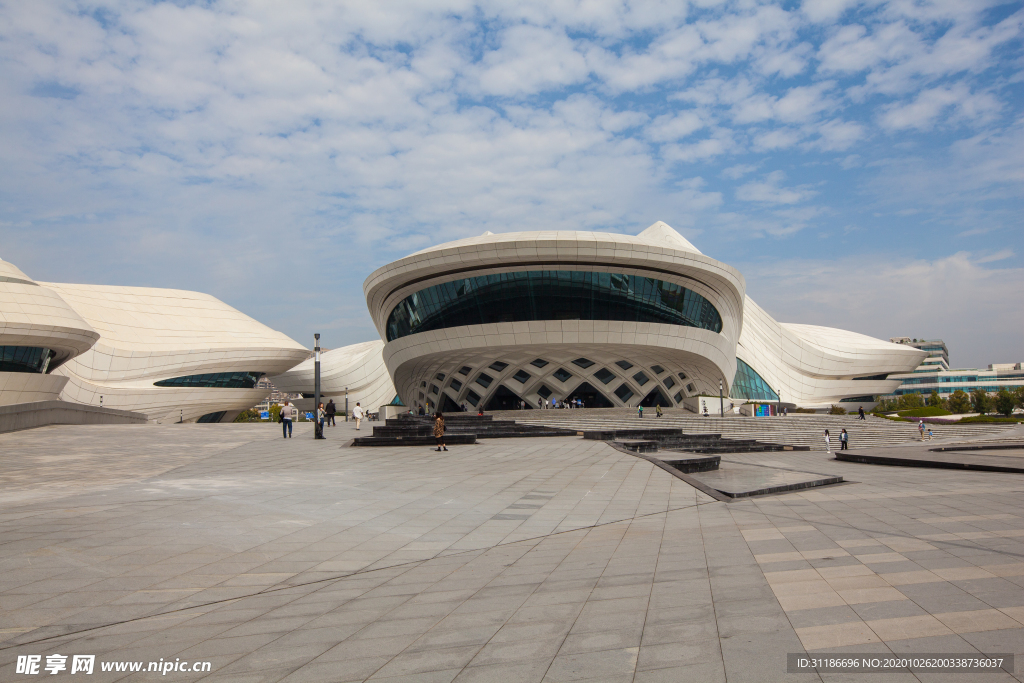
656,398
591,397
504,399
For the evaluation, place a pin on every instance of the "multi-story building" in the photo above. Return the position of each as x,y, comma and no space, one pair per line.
997,376
938,353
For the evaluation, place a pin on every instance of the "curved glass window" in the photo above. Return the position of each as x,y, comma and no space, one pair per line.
550,295
750,385
25,359
216,380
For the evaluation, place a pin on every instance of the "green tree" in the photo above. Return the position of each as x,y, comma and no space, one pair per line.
1019,396
1005,402
910,401
884,405
935,400
982,403
251,415
959,402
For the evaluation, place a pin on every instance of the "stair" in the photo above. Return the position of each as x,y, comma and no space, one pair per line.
794,430
462,428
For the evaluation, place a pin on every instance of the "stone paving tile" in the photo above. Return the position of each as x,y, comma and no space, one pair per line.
552,559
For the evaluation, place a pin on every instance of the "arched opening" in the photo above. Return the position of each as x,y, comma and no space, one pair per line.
504,399
591,397
656,398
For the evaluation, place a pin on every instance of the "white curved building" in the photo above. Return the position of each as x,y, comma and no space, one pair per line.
357,371
613,319
170,354
39,332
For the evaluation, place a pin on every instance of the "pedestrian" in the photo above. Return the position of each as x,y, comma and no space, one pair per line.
844,440
657,410
540,404
286,419
828,443
421,412
929,434
439,430
357,414
920,428
332,410
860,412
321,416
639,410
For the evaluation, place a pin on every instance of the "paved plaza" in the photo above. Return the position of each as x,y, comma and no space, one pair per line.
511,560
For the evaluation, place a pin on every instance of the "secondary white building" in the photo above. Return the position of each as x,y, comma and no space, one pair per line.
357,371
615,320
169,354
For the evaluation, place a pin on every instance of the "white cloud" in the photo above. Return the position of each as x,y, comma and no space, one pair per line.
929,105
670,127
770,191
530,59
901,296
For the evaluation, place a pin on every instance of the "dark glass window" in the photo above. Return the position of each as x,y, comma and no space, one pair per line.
433,389
884,375
465,370
690,388
421,395
521,376
624,393
215,380
748,384
682,376
540,362
641,378
550,295
625,365
484,380
678,397
498,366
562,375
439,376
544,391
604,375
24,359
657,369
455,384
473,397
857,399
423,385
583,362
669,382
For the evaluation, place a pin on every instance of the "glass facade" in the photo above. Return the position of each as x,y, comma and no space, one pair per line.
750,385
550,295
25,359
604,376
217,380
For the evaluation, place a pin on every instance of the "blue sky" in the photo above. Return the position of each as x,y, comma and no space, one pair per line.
862,163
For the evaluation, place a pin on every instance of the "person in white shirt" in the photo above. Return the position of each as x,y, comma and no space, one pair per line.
357,413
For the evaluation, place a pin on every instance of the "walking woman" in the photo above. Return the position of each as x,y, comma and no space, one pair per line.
844,439
439,431
828,444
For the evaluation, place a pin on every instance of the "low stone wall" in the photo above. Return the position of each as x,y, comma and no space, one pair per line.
42,413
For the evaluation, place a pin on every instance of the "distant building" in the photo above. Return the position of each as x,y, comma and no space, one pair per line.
938,353
997,376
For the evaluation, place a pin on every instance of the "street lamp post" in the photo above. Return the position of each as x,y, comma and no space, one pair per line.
346,404
316,387
721,400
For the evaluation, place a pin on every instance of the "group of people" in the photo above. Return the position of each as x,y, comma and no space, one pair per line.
325,416
551,404
844,440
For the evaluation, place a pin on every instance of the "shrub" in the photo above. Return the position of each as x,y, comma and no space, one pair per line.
929,411
1019,396
982,403
959,403
836,410
935,401
1005,402
251,415
884,406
